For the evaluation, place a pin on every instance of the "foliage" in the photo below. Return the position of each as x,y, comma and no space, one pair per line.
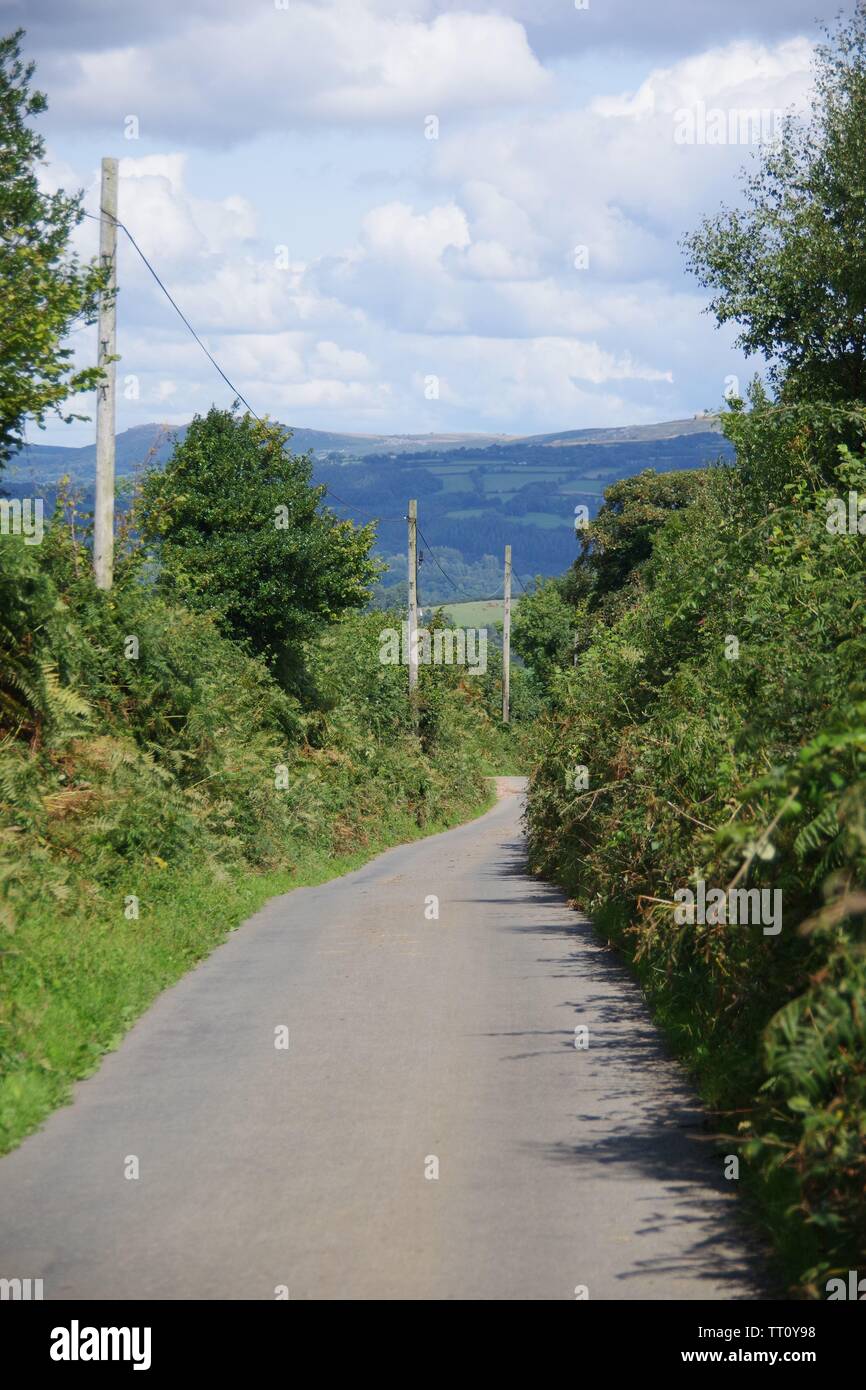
557,619
180,774
618,541
706,767
240,534
790,268
543,630
31,695
45,289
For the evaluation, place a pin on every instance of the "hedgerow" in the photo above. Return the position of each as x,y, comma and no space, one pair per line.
154,792
740,765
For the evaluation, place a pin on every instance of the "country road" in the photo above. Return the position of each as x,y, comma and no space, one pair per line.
411,1042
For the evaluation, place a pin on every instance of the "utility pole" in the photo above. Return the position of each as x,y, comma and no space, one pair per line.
413,598
506,638
103,517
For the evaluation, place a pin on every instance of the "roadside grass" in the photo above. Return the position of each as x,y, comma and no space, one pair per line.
74,985
150,805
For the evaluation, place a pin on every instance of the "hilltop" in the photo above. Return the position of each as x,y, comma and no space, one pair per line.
476,492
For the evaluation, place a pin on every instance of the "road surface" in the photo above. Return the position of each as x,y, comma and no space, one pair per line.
430,1131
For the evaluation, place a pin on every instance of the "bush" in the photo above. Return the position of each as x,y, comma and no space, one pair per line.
157,783
750,770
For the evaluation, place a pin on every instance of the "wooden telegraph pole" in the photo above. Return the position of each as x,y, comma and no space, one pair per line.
506,638
413,598
103,518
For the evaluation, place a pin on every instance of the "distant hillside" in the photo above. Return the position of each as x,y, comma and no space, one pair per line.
476,493
145,444
630,434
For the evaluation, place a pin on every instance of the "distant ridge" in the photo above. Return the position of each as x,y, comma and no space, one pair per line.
153,443
476,493
630,434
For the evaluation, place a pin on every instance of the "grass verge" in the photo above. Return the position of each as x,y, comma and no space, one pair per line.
77,984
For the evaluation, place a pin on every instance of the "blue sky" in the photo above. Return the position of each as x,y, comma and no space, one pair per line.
337,260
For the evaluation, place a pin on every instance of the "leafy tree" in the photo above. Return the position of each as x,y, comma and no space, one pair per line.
620,539
33,651
790,268
240,535
559,617
720,704
543,630
45,289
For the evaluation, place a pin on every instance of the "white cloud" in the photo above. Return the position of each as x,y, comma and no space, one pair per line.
344,361
471,275
393,232
257,68
739,74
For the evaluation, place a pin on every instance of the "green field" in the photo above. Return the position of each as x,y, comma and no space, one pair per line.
480,613
547,521
453,481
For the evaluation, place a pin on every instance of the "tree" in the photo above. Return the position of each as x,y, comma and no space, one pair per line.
620,539
239,534
45,289
790,268
543,630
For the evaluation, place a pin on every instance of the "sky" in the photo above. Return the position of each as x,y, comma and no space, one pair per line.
418,216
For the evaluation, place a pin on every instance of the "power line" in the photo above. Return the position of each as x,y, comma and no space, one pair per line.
452,582
353,507
209,355
182,316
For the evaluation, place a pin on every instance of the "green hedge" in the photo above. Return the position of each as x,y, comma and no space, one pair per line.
707,767
187,779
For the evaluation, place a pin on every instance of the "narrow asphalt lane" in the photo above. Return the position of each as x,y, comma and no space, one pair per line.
430,1131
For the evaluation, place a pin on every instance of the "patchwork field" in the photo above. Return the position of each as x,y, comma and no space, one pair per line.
477,614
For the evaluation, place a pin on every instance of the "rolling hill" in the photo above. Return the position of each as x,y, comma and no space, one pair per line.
476,493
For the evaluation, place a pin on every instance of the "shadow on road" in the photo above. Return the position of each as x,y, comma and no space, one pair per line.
644,1121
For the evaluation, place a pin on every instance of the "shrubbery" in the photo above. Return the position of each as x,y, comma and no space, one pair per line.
719,702
152,795
706,767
